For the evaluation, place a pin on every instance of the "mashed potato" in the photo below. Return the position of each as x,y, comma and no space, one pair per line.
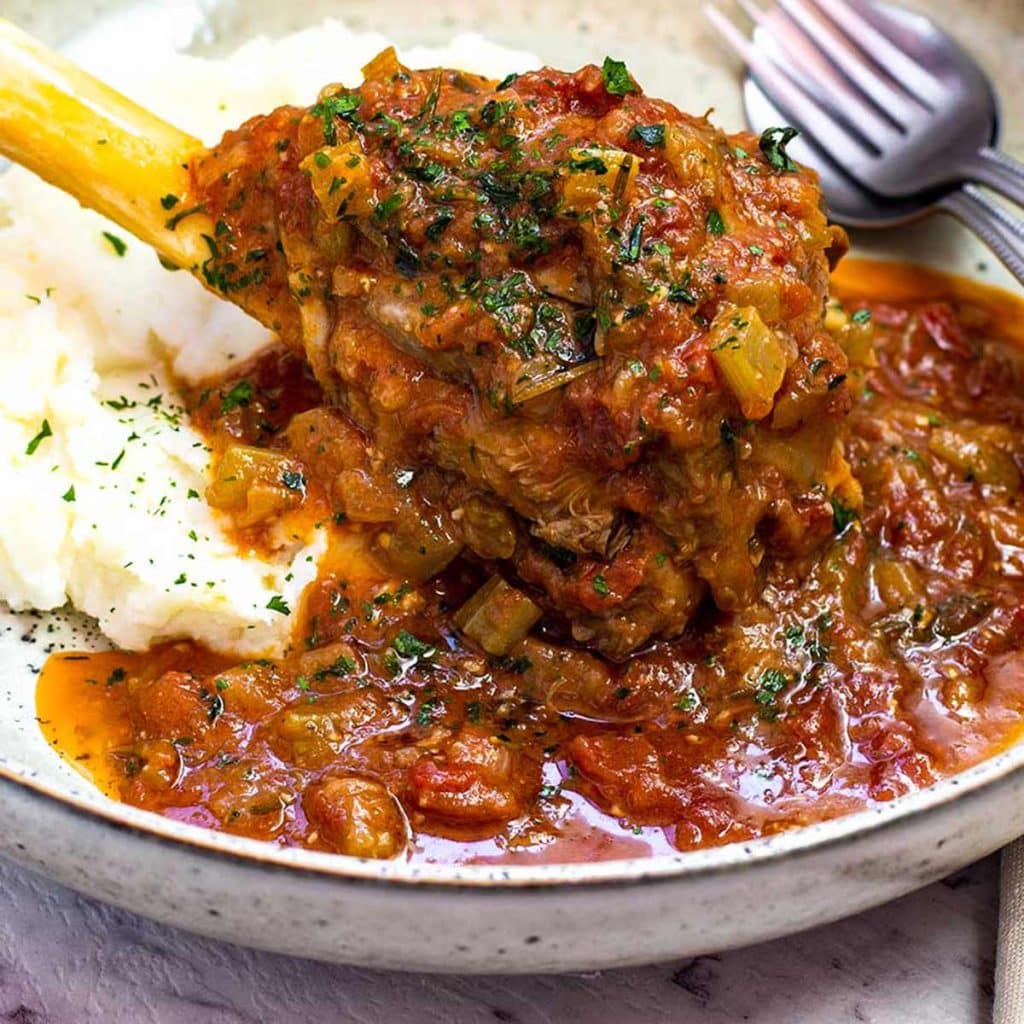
103,477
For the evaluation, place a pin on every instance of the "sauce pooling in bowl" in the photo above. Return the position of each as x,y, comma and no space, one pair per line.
889,658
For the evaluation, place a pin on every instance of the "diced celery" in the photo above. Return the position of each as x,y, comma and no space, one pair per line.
750,356
975,457
497,616
340,176
255,484
594,175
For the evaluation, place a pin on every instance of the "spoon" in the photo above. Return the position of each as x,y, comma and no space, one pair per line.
850,202
854,206
892,98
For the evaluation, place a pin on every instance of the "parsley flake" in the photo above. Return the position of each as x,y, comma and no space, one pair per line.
617,79
842,516
117,244
773,144
44,432
716,225
650,135
239,394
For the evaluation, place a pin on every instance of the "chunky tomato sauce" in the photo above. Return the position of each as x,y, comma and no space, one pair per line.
888,658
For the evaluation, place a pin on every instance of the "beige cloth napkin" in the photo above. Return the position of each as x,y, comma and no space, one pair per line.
1009,996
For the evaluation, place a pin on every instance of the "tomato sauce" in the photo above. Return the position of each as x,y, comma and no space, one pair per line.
888,659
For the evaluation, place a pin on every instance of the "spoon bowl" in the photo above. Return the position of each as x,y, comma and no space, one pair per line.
861,186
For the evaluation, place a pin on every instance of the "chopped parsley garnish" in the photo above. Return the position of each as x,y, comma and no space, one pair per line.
240,394
437,227
169,201
649,134
44,432
601,586
294,480
428,173
716,225
341,666
680,293
589,163
494,111
172,222
69,494
769,686
388,206
507,80
687,701
501,190
278,604
773,144
332,107
861,316
631,244
427,710
617,79
842,516
117,244
794,634
462,124
408,645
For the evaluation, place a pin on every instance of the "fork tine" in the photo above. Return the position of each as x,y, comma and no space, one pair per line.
798,105
876,33
897,105
784,39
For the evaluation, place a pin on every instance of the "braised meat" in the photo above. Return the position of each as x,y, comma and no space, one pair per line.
579,333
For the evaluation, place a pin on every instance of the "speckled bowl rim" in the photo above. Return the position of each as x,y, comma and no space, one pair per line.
80,800
798,842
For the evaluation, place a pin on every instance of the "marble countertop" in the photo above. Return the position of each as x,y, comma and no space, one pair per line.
927,958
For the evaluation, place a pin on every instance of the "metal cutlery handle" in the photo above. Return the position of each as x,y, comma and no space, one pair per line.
998,171
999,230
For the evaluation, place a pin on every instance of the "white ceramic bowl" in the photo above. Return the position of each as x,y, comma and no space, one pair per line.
485,918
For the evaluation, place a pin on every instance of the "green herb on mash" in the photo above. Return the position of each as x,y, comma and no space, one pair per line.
44,432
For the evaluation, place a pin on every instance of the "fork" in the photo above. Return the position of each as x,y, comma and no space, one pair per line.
802,78
893,101
868,119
